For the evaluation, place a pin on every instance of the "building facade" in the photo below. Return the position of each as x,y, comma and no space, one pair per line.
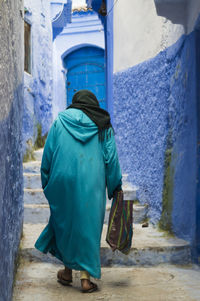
38,76
11,114
156,98
78,59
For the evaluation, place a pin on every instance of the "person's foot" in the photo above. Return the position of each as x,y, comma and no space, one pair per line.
88,286
65,276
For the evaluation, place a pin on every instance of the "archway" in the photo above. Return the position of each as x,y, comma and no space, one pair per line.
85,69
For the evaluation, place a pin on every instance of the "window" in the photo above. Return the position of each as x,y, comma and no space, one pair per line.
27,47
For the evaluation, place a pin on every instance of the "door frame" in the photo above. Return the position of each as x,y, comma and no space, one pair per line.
77,47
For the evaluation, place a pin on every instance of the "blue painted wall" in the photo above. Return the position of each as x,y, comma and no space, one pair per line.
183,129
107,22
198,135
38,86
11,109
60,15
156,103
85,30
141,107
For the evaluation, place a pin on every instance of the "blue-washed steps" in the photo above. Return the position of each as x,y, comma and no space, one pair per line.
149,247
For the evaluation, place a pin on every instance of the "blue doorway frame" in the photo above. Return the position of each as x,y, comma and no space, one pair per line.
85,68
108,31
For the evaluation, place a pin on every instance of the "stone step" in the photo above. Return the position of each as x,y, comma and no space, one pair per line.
32,167
36,213
32,180
38,154
39,213
139,213
130,191
149,247
34,196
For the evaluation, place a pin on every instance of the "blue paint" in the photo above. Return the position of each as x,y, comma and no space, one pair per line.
60,15
183,125
11,192
141,123
85,70
11,195
77,47
38,87
95,4
11,113
152,101
108,31
198,137
85,31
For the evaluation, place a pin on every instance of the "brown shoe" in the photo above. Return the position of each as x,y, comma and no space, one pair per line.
92,287
65,276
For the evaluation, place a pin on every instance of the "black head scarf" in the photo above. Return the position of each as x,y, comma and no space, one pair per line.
87,102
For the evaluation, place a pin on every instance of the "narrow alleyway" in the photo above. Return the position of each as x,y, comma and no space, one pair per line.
36,276
147,63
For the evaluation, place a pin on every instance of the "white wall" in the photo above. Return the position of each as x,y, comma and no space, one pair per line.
139,33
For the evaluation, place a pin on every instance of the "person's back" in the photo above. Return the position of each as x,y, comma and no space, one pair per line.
79,161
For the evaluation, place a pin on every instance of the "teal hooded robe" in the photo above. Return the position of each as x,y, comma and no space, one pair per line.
76,169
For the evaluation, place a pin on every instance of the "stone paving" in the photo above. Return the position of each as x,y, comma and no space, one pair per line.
146,274
36,281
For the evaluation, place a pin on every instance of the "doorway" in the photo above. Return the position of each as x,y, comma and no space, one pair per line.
85,69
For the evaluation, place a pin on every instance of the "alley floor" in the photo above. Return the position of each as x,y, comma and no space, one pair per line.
147,274
36,281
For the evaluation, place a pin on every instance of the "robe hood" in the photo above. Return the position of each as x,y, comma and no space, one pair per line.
78,124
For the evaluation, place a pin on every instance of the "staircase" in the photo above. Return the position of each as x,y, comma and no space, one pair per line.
149,247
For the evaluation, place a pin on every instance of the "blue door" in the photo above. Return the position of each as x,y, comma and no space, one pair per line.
86,70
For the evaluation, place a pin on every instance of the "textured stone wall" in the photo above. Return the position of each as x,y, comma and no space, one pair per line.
155,123
38,86
11,108
140,114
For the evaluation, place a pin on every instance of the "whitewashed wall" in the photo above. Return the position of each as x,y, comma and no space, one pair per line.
140,34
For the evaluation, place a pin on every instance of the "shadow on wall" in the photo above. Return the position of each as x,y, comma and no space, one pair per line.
175,11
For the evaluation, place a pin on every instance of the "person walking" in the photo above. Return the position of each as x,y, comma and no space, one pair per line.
79,162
